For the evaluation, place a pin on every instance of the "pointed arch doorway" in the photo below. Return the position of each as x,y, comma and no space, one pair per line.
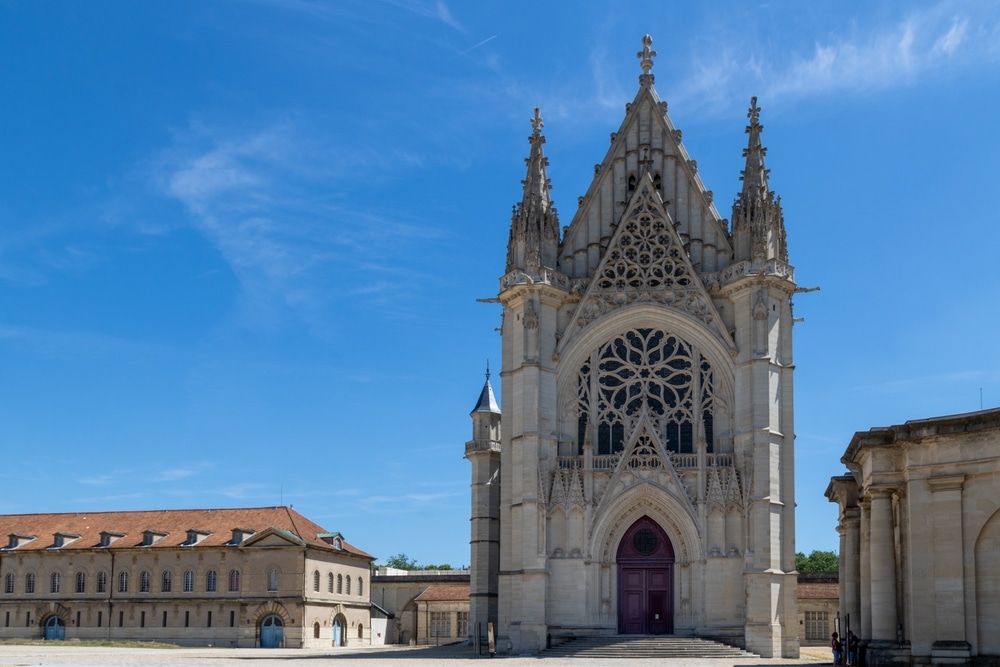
645,580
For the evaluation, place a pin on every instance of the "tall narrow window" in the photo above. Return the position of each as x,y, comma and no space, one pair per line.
102,582
81,582
122,583
29,583
361,586
316,581
329,582
164,619
54,583
234,581
8,584
272,580
100,618
211,581
188,581
144,578
166,582
209,623
232,619
347,585
340,584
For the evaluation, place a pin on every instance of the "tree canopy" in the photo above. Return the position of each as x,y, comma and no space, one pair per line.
817,561
403,562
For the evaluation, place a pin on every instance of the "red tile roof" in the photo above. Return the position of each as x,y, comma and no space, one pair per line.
445,593
174,523
817,591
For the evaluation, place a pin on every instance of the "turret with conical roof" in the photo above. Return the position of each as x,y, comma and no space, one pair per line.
483,452
758,223
534,226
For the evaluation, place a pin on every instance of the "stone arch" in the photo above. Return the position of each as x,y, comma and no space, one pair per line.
267,609
672,515
987,584
575,352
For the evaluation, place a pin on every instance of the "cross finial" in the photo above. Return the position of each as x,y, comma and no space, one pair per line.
646,55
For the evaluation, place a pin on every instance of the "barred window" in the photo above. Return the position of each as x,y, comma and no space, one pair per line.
189,581
440,624
8,585
272,579
234,581
817,625
123,582
81,582
347,586
29,583
166,582
102,582
144,581
211,581
329,582
54,583
340,584
316,581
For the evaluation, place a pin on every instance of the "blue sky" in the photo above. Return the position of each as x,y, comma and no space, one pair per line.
241,243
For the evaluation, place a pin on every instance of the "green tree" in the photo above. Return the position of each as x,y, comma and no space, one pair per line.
401,562
817,561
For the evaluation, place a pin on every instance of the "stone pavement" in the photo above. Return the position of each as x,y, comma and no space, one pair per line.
67,655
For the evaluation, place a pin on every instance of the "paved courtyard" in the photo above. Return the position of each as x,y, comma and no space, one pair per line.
85,656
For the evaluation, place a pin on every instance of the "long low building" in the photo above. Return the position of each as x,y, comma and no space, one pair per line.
264,576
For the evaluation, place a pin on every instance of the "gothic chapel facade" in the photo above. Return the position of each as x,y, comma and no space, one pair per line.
642,480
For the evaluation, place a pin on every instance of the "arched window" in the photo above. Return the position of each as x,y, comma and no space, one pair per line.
646,370
123,582
316,580
54,583
211,581
361,631
340,584
81,582
361,586
102,582
8,584
166,582
347,587
144,578
234,581
329,582
189,582
272,579
316,630
29,583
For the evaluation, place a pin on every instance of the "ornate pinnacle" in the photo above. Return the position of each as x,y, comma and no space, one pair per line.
753,114
646,60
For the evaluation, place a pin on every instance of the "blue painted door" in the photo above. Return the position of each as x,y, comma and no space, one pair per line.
55,628
338,633
272,632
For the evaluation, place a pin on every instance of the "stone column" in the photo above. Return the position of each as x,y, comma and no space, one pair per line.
865,569
850,553
883,567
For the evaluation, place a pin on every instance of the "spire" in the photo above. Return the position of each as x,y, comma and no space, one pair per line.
534,229
487,401
758,223
646,61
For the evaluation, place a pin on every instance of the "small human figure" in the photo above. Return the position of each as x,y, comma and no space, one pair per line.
836,648
852,649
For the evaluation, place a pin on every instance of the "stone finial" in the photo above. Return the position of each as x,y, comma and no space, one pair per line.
646,55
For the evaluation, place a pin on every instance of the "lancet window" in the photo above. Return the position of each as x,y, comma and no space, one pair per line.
645,370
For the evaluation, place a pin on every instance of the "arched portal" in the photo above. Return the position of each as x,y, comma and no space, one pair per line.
272,631
55,628
339,623
645,580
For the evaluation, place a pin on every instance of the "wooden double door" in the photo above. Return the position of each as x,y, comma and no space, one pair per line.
645,580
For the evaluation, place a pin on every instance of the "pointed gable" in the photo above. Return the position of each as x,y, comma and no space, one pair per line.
645,261
646,142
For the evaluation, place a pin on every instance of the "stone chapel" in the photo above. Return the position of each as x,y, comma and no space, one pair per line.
642,480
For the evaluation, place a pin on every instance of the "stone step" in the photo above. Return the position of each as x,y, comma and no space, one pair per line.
644,646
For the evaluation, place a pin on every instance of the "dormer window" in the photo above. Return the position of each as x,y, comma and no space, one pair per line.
335,540
195,536
151,537
62,539
110,537
14,540
240,534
